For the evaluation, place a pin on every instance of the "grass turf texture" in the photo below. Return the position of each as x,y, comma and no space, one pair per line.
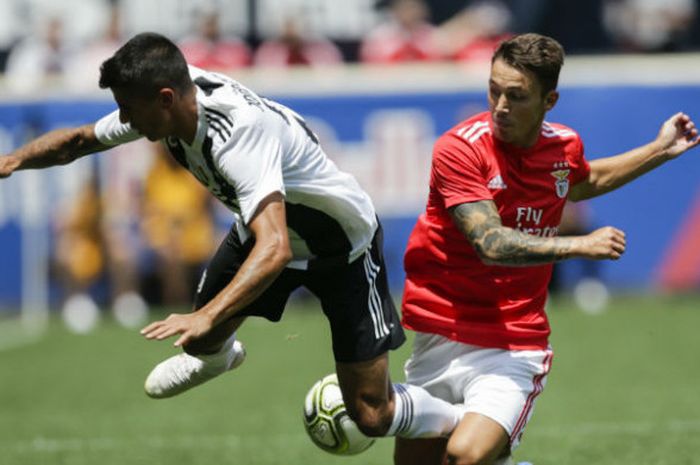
623,389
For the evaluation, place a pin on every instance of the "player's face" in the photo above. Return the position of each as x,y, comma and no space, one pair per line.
517,104
146,114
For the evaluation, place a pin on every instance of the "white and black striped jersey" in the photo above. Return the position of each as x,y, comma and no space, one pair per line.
247,147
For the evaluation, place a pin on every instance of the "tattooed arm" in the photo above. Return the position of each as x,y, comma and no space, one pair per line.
500,245
57,147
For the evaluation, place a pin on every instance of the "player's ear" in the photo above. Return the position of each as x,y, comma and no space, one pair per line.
550,99
166,97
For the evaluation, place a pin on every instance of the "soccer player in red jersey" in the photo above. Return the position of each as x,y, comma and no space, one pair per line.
480,257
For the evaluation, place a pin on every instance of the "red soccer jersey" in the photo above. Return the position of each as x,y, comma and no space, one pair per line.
449,290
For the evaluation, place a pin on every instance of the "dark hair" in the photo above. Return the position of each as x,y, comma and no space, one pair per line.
147,63
541,55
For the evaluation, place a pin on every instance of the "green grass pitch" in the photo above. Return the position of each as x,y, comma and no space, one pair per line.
623,390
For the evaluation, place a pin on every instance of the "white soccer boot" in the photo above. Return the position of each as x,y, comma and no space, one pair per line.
182,372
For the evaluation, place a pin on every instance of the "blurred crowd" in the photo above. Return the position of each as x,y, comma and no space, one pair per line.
136,233
148,244
42,40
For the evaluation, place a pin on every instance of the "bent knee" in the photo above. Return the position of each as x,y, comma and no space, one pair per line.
372,418
469,454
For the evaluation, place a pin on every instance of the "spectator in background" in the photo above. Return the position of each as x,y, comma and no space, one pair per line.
177,228
406,36
524,15
122,174
85,64
295,48
475,33
94,263
649,25
578,26
211,49
10,30
39,61
79,257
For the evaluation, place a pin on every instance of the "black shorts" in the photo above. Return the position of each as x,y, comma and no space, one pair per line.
354,297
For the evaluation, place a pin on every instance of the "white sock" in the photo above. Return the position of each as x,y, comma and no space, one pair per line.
417,414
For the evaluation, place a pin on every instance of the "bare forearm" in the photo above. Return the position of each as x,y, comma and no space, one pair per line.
57,147
608,174
677,135
499,245
257,273
507,246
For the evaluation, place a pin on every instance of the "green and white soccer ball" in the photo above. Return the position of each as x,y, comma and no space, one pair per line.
327,422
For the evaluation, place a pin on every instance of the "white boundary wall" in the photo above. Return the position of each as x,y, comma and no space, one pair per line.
603,70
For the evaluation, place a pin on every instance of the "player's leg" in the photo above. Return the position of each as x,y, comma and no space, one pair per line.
431,452
365,326
383,409
428,451
497,388
219,273
477,440
440,366
367,394
499,401
218,351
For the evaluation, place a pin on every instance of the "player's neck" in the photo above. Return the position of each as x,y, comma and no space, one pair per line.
185,119
522,143
530,139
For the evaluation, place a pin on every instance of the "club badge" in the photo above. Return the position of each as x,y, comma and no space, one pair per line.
562,182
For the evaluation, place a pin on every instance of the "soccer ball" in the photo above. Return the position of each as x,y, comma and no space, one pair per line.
327,422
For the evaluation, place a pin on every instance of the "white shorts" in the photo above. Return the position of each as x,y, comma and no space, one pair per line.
497,383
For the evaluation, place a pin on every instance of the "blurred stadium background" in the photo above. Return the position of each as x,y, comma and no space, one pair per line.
108,239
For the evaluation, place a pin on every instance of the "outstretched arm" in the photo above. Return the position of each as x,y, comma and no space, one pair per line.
677,135
500,245
57,147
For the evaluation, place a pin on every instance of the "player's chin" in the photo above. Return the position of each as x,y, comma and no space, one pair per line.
504,135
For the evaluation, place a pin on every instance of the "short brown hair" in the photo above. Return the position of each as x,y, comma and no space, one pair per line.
541,55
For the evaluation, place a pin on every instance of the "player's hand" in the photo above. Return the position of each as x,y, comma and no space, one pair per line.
7,166
677,135
189,326
606,243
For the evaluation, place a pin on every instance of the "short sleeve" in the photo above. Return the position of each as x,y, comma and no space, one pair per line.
252,162
457,173
580,169
110,131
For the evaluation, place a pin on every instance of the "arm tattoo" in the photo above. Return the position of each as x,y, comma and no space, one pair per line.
59,147
500,245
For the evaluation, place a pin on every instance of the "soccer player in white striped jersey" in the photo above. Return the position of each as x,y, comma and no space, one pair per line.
299,222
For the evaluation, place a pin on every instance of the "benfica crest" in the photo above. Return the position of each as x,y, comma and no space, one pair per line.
562,182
